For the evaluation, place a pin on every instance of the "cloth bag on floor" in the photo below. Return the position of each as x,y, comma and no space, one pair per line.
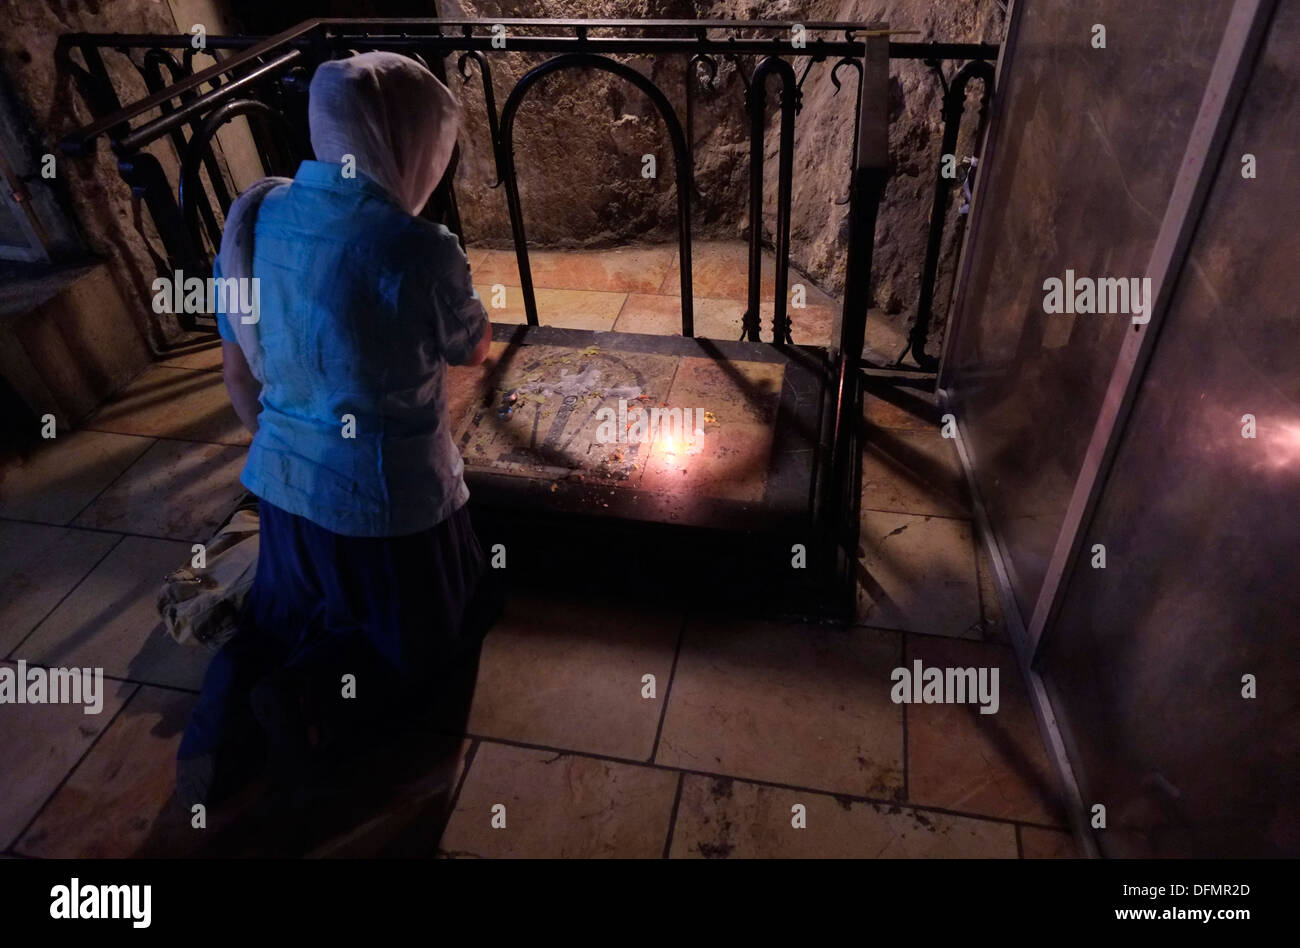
202,606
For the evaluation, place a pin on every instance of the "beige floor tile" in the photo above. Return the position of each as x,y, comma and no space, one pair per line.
481,258
1036,843
204,354
39,565
639,269
122,793
178,489
57,481
719,319
559,806
487,266
568,673
40,743
719,283
167,402
662,316
917,573
723,818
810,325
982,764
111,620
724,264
720,269
564,309
916,472
899,406
787,703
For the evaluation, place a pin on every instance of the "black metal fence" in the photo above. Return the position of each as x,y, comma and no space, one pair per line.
265,79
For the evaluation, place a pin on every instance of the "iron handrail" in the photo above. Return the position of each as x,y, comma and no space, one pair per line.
315,34
76,142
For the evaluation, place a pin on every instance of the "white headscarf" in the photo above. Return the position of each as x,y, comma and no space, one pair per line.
391,115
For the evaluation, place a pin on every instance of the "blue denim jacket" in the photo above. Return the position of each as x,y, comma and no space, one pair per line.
362,307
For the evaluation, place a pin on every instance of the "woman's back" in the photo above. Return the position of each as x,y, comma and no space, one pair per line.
368,565
362,306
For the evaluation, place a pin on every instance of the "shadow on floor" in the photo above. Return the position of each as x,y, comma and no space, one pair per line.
388,794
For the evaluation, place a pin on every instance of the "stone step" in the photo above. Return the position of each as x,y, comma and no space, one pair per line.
68,341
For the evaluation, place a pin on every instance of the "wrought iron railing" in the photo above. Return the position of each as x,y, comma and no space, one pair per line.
265,79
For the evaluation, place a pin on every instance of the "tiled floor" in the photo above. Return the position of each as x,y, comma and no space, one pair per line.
605,726
638,289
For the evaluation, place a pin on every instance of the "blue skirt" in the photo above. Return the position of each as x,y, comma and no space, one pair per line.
393,612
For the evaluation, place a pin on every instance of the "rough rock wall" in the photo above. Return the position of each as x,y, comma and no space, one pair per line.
819,226
99,198
580,140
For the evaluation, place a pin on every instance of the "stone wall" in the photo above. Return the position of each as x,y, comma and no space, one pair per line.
93,189
579,144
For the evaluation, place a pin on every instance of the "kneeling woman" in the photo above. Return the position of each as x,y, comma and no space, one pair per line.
368,563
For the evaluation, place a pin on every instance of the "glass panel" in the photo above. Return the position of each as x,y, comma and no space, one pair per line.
1201,527
1087,151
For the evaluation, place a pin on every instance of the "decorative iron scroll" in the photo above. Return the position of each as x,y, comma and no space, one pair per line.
681,161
